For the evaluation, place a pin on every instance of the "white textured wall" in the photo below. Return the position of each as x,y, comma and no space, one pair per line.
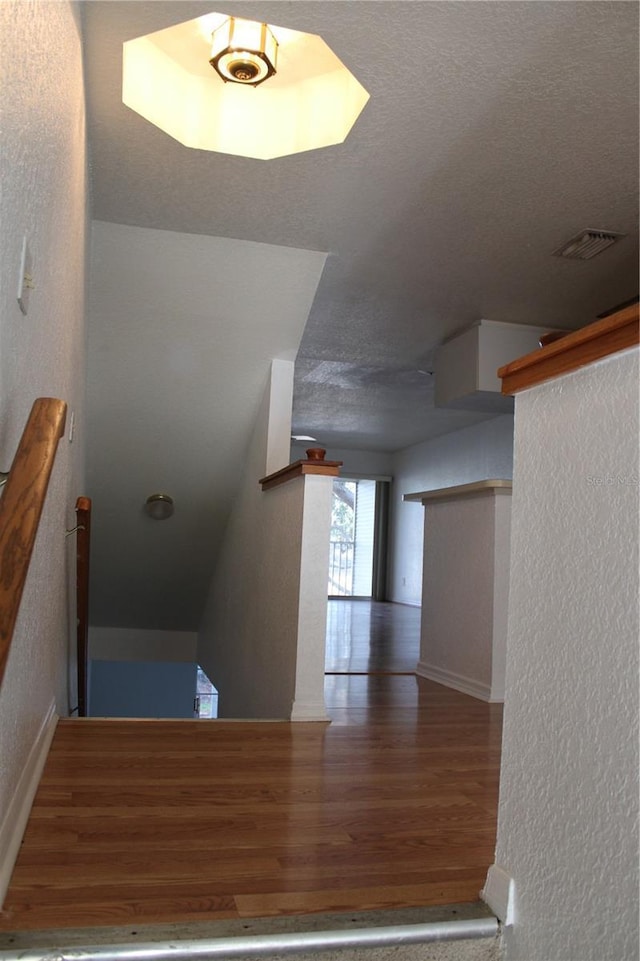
460,603
479,452
248,636
308,703
568,812
43,194
279,421
136,644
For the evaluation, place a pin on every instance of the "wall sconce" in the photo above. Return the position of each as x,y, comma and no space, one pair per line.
243,51
159,506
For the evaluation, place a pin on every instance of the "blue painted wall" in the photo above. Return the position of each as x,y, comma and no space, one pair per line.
142,688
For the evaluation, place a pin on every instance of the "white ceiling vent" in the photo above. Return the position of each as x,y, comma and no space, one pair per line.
587,244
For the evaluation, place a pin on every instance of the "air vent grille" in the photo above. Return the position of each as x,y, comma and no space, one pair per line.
587,244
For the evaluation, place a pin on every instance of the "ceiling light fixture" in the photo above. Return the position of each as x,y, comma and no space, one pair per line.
159,506
243,51
311,102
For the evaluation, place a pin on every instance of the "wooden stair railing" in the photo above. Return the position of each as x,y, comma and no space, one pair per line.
83,514
21,506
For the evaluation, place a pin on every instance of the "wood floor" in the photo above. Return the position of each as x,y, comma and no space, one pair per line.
365,637
392,805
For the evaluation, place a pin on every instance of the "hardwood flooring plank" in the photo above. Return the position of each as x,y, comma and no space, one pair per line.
118,911
392,805
443,891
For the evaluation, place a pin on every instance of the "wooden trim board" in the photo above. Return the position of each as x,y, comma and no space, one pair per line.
327,468
577,349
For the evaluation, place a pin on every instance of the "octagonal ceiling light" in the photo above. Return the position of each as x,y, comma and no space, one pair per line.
311,101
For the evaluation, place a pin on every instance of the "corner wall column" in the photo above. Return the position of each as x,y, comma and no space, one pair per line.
315,476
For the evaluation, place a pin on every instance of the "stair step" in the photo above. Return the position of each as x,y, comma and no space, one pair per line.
467,932
399,944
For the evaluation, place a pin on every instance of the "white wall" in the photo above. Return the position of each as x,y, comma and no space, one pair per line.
479,452
311,580
248,637
43,175
501,574
568,815
181,331
464,600
131,688
136,644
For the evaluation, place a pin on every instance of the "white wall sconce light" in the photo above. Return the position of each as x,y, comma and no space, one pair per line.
244,51
159,506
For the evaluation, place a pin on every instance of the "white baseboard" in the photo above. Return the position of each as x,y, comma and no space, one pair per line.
309,712
15,820
499,894
457,681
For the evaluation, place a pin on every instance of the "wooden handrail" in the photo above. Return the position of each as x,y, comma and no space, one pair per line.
574,350
21,506
83,515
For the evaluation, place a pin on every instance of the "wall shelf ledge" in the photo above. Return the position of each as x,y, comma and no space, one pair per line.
492,486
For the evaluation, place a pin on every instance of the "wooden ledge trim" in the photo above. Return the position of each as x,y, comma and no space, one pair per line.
21,506
328,468
574,350
493,486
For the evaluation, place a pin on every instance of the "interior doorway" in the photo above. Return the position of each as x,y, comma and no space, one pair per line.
358,541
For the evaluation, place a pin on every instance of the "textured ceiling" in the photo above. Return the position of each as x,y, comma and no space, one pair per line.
494,132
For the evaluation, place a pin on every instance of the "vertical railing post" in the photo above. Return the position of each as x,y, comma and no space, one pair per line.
83,514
